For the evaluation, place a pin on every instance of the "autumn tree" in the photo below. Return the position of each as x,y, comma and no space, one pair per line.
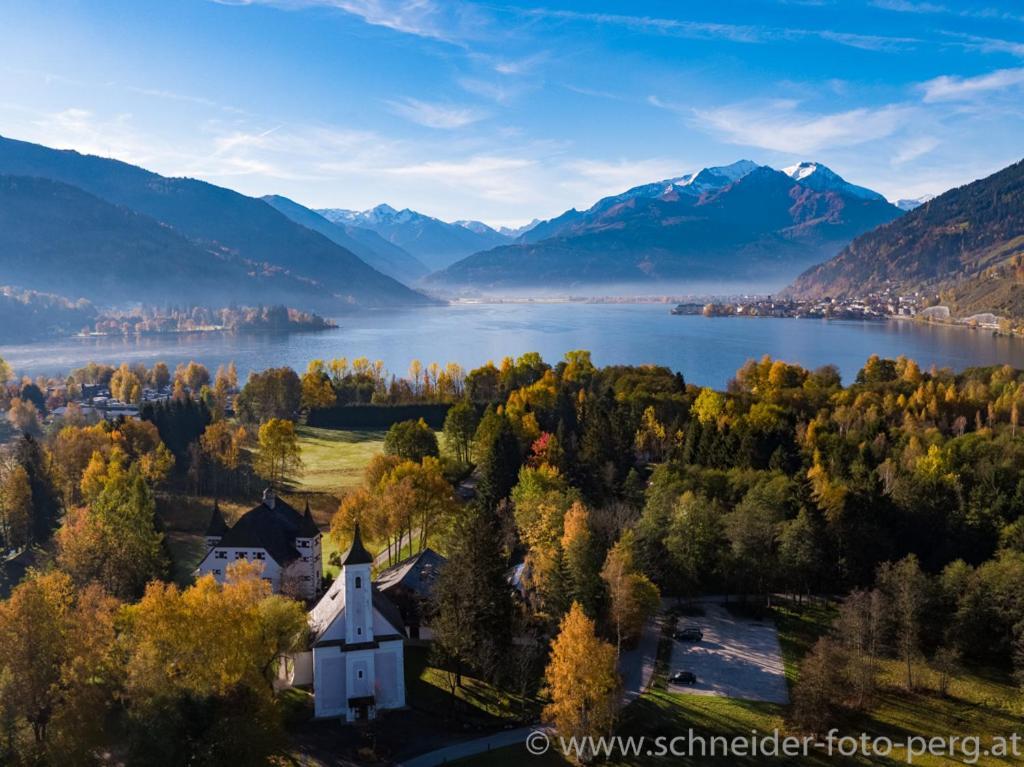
582,680
317,390
24,416
58,657
633,597
279,454
222,444
272,393
217,708
114,541
15,507
125,385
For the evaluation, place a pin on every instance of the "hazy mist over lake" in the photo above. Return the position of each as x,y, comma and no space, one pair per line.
706,350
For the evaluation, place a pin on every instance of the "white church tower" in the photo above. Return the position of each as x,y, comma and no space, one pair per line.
357,644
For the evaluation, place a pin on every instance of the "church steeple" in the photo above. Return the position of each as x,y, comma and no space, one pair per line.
355,571
357,553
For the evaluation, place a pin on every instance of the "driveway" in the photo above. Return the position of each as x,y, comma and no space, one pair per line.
738,658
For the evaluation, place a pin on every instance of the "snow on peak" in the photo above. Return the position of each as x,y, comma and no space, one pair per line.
914,202
823,179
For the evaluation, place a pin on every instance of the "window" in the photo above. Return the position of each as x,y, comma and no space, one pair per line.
261,555
359,632
220,555
360,674
359,582
216,572
305,559
239,555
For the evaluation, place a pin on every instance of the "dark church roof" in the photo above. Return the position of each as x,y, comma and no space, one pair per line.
217,526
357,553
273,525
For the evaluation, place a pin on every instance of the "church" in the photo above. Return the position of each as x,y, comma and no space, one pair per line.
356,638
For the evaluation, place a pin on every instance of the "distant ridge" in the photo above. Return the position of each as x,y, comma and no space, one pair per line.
221,222
434,242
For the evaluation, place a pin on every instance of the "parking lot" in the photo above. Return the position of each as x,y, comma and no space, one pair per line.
737,658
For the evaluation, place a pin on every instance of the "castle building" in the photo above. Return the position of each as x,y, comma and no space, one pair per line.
285,541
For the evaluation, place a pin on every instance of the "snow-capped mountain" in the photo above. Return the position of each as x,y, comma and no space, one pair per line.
823,179
516,231
476,226
434,242
914,202
742,221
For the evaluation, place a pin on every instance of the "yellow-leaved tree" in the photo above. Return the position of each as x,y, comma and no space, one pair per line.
582,679
279,453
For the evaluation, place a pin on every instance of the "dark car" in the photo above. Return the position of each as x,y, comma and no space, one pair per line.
683,677
689,634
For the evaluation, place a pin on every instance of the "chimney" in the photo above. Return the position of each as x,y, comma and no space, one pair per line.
269,499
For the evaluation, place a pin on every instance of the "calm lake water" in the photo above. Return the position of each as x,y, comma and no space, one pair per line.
708,351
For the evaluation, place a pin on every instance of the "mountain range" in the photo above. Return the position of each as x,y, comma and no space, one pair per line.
742,222
964,248
434,242
176,237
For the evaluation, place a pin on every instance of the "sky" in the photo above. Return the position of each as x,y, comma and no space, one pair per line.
506,111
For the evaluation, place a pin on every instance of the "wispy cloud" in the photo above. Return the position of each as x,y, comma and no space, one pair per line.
924,7
781,125
737,33
430,115
952,88
445,20
908,6
914,148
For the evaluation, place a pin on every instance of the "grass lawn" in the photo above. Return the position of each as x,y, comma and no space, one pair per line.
333,461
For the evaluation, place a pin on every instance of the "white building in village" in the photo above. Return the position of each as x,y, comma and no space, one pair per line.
286,542
356,664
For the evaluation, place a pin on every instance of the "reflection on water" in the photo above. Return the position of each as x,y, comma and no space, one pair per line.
707,350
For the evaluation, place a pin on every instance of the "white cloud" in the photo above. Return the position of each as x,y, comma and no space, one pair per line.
446,20
737,33
442,116
782,127
952,88
914,148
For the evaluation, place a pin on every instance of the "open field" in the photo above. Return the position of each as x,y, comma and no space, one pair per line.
333,461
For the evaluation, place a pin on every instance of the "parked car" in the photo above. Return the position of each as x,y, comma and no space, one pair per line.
689,634
683,677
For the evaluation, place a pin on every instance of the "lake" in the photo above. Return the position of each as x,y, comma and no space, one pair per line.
707,350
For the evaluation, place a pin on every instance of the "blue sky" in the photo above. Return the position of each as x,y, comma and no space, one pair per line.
503,111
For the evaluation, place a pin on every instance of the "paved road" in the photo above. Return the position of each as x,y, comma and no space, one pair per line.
636,666
738,658
469,748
